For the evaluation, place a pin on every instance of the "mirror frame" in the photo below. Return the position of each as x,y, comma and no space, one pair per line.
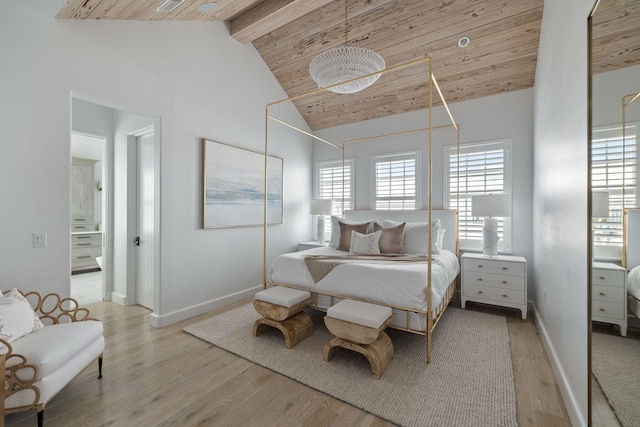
589,201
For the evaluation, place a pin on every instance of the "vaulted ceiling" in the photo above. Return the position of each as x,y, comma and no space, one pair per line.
288,34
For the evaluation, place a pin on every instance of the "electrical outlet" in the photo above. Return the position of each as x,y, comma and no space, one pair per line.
39,240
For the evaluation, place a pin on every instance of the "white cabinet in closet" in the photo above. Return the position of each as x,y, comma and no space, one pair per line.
498,280
609,295
86,243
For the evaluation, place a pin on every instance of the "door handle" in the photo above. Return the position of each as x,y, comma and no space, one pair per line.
136,241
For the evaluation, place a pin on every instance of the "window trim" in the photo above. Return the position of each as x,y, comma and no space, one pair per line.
417,154
505,245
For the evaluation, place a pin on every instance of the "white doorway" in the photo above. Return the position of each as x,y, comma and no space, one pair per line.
131,191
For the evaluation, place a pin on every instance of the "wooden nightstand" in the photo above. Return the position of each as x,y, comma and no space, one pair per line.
310,245
498,280
609,295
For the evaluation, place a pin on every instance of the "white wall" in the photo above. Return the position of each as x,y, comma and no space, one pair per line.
608,90
200,82
560,198
508,115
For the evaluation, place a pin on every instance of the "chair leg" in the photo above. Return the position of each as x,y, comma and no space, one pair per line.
41,418
100,367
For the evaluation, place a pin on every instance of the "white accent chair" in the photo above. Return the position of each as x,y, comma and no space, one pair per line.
41,363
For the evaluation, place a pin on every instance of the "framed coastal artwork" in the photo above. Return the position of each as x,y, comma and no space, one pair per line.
234,187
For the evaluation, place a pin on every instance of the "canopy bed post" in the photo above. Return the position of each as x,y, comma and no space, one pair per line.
429,216
264,212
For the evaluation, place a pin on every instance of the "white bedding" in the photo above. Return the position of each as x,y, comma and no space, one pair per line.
399,284
633,287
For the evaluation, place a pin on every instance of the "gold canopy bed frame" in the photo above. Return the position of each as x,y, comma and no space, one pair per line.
633,302
431,314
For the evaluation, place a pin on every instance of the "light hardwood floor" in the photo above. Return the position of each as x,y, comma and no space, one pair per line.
161,377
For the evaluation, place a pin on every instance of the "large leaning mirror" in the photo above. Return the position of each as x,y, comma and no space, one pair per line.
615,227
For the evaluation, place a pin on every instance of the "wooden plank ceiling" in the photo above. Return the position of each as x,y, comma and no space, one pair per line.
288,34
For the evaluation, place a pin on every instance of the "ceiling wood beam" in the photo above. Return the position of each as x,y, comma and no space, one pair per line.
271,15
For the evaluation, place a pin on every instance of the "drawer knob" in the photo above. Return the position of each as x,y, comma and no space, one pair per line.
480,292
504,282
479,279
505,296
83,237
505,268
480,266
602,309
84,244
602,294
601,277
84,256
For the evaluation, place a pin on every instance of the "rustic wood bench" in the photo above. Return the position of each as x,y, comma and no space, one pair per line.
283,309
359,326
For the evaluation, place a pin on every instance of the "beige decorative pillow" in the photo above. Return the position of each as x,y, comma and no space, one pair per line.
391,239
365,243
345,233
334,242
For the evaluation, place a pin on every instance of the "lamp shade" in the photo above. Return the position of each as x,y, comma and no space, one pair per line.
321,207
600,204
491,205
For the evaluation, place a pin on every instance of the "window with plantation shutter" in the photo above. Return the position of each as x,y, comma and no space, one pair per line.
395,177
332,183
608,150
484,169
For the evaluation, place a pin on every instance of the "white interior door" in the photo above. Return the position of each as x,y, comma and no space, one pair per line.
145,226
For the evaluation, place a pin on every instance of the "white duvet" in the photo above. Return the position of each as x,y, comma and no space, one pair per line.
399,284
633,286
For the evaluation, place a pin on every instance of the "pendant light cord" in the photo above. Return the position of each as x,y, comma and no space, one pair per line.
346,24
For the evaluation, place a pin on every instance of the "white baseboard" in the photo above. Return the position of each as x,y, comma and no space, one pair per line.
570,403
119,298
159,321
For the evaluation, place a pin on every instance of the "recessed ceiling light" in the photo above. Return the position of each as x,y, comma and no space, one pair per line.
464,41
207,7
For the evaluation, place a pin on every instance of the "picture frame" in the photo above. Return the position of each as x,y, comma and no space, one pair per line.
234,182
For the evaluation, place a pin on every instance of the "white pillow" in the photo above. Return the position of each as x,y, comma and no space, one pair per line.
334,242
365,243
17,317
416,235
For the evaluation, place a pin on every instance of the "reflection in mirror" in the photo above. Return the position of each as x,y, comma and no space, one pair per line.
615,117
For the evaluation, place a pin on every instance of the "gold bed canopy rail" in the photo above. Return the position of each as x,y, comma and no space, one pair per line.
425,82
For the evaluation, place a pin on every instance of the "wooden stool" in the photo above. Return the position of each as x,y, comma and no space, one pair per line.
359,326
282,308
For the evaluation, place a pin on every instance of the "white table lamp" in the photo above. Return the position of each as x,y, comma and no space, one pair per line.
490,206
599,209
321,207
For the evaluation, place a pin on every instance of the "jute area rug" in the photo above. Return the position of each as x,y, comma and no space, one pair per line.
614,362
468,383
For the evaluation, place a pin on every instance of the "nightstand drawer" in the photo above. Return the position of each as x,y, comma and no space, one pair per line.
494,294
608,277
607,293
494,267
610,310
494,280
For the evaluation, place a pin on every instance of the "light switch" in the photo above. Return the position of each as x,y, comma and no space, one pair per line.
39,240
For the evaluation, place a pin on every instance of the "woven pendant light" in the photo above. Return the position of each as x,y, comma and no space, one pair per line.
344,63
